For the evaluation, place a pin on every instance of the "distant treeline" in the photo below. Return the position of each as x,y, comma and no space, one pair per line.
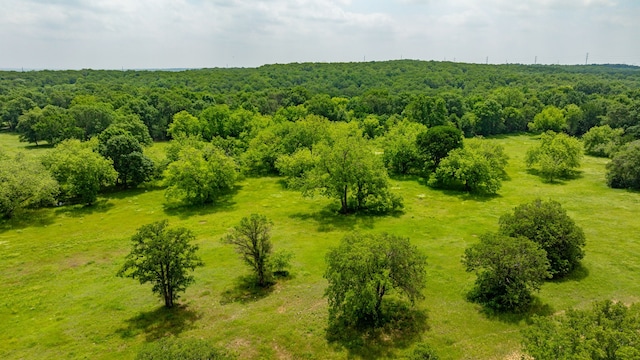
478,99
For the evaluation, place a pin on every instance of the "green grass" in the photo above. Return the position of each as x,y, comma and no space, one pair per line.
61,298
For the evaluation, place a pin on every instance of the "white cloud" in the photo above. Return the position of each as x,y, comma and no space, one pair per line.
199,33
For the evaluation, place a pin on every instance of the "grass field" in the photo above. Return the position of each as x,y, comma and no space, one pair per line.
61,298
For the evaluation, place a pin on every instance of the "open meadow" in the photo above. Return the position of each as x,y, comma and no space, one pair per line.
61,297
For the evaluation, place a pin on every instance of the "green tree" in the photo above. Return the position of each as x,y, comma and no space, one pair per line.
263,151
575,118
477,167
624,169
488,118
200,176
26,126
24,183
128,158
56,125
549,119
366,267
348,170
324,105
435,143
295,166
92,118
557,155
185,124
509,269
214,119
79,170
252,240
427,110
602,141
547,224
131,124
401,154
163,257
14,108
607,331
371,127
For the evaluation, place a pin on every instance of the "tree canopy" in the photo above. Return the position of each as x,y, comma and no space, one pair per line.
602,141
435,143
624,169
509,270
609,330
24,183
200,175
128,158
347,169
366,267
477,167
163,257
549,119
401,154
558,155
80,171
548,224
252,240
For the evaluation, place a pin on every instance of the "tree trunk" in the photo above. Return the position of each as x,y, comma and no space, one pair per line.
261,281
343,199
380,290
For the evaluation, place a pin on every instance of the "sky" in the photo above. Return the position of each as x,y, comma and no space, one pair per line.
146,34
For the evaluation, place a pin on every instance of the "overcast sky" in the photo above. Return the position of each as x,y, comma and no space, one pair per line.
115,34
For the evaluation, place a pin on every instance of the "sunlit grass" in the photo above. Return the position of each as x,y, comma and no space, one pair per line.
61,298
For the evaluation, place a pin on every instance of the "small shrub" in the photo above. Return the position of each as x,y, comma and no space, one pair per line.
423,352
280,263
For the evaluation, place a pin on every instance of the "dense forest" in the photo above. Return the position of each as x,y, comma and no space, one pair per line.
356,134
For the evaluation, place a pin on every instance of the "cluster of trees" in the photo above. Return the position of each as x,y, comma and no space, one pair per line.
74,171
280,119
538,241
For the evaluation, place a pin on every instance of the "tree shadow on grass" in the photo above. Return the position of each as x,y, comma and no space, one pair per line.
328,219
160,323
117,192
401,327
579,273
536,308
463,195
223,203
245,290
559,180
80,210
28,218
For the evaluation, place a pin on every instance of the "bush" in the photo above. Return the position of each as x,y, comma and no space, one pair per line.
280,263
607,331
423,352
